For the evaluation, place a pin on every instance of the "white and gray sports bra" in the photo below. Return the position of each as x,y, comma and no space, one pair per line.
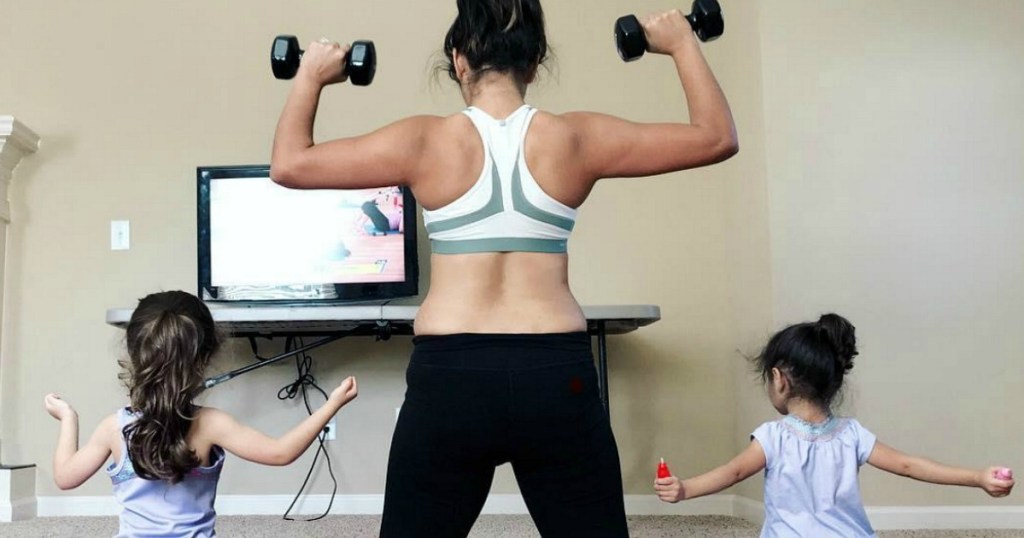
505,210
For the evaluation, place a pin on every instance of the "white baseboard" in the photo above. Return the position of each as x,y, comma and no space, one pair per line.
19,510
73,506
232,505
17,493
882,518
946,517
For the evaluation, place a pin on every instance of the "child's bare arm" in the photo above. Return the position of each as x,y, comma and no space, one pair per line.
73,466
248,443
889,459
748,462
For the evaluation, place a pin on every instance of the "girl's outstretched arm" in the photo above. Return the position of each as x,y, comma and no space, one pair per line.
223,430
73,466
889,459
748,462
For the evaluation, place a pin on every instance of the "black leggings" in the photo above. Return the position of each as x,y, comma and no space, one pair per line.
476,401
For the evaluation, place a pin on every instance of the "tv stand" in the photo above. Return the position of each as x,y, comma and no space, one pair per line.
332,323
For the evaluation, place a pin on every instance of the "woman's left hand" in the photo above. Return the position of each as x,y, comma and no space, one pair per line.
668,32
324,62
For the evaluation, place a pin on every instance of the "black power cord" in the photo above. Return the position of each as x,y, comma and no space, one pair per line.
304,380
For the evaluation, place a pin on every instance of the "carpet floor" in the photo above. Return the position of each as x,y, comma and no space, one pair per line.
486,527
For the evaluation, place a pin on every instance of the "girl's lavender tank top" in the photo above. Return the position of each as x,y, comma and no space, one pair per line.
159,508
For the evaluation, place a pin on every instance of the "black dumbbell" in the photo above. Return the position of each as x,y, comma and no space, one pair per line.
706,21
360,62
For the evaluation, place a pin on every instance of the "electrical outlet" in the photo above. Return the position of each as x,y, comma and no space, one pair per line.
330,430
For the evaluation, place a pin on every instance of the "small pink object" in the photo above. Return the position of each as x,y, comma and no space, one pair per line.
1004,474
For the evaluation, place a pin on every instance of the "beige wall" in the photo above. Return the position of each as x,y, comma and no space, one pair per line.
894,134
878,177
130,97
748,238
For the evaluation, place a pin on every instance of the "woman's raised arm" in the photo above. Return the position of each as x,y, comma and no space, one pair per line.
613,147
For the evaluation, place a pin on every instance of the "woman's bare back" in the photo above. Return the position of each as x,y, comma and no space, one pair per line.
498,292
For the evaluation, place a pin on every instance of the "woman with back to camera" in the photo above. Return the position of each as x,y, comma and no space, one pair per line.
502,369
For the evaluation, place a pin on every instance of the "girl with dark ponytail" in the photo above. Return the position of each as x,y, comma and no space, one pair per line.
167,451
810,456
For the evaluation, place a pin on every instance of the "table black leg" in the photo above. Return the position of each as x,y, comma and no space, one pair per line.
602,366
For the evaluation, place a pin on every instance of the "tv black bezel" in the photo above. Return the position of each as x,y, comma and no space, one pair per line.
346,292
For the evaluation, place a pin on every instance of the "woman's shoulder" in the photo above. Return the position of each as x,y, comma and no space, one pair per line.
560,132
423,123
585,127
583,119
566,121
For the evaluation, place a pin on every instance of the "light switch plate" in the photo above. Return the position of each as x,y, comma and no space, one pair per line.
120,235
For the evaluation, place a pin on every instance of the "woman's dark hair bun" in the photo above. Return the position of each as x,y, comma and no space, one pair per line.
504,36
840,335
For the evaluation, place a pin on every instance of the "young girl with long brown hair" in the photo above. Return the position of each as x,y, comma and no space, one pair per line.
166,451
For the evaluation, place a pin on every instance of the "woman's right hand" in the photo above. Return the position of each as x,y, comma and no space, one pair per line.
668,32
346,392
324,62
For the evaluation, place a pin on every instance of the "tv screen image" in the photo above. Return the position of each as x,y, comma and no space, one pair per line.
259,241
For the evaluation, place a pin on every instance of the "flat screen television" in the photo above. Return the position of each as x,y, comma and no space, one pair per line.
260,242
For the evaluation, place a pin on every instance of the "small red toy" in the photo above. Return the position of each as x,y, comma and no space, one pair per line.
1004,474
663,471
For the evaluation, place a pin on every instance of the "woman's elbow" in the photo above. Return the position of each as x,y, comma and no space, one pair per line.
727,146
288,170
718,147
283,174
